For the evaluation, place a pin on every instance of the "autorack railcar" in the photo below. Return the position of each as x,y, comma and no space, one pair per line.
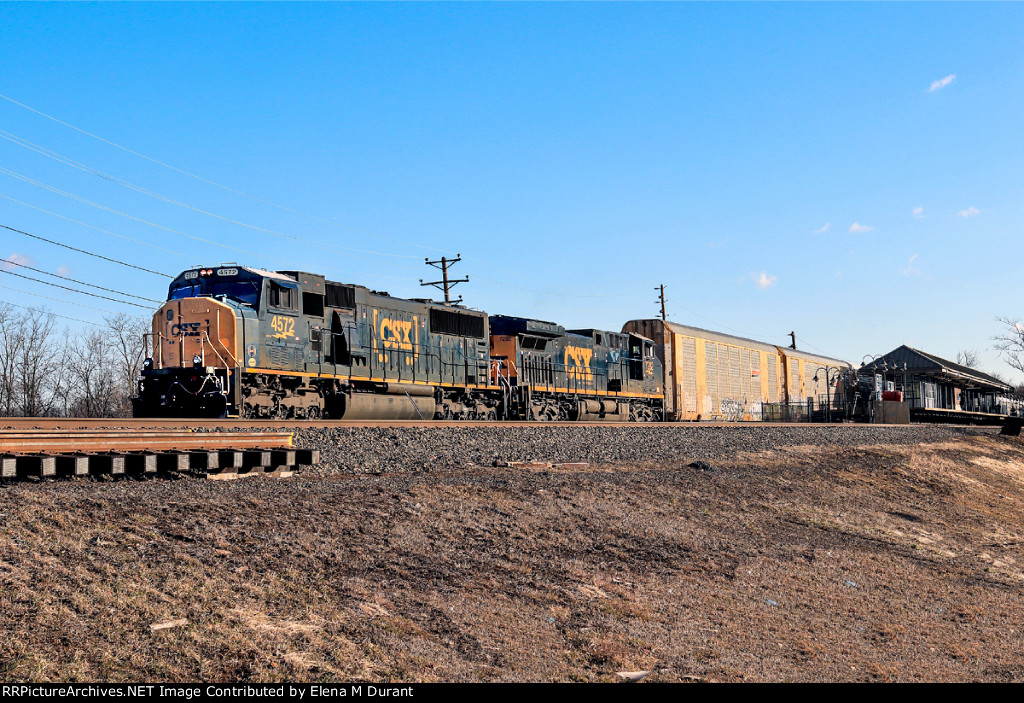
715,376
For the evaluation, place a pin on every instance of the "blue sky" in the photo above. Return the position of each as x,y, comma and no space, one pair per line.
848,171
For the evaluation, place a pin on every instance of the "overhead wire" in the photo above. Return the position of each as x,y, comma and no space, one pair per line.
139,189
545,292
89,253
51,154
75,290
99,229
213,183
58,300
54,155
9,262
52,314
803,340
100,206
84,201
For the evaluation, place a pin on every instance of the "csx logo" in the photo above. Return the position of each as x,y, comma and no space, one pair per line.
577,364
185,329
396,334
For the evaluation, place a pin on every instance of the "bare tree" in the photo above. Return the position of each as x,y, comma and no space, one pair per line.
1010,343
968,357
93,377
11,339
38,364
128,352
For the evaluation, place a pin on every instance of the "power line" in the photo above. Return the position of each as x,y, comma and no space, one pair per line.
213,183
98,229
81,283
560,294
89,253
74,290
51,314
803,340
82,200
58,300
139,189
183,172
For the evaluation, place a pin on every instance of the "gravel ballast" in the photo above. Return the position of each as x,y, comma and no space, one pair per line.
415,449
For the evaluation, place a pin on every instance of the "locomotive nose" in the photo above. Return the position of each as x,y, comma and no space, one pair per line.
195,332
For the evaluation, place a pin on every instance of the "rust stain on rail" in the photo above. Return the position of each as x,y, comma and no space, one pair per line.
75,441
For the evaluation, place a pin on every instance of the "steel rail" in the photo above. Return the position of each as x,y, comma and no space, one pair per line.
135,424
59,441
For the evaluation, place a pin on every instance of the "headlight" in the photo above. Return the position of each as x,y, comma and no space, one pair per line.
148,363
197,360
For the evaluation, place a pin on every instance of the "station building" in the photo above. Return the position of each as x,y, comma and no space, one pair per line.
931,383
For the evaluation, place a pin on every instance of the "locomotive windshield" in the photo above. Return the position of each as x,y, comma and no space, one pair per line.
241,287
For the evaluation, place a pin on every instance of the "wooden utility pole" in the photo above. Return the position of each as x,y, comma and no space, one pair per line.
445,283
661,297
792,335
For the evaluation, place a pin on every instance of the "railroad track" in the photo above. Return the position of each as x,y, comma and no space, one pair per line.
52,452
234,424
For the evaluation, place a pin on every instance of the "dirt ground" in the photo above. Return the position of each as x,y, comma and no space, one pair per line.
879,563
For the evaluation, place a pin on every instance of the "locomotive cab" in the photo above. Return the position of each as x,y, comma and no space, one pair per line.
199,341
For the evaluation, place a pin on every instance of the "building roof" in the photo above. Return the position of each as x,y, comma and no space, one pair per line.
921,362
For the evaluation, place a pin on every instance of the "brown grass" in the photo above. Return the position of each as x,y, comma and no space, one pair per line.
885,563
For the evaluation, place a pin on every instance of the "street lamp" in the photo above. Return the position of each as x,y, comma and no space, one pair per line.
832,375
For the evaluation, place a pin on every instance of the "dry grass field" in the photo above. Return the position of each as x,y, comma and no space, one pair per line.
877,563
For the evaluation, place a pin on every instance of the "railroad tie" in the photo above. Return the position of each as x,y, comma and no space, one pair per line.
35,465
307,457
140,463
112,464
72,465
204,460
172,461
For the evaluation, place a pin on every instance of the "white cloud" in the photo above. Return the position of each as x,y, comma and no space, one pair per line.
857,228
942,83
910,269
969,212
14,260
63,270
822,230
918,212
763,280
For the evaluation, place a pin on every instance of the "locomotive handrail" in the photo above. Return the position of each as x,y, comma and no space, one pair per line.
213,347
429,351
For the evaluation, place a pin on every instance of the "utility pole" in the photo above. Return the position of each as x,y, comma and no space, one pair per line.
661,297
792,335
446,284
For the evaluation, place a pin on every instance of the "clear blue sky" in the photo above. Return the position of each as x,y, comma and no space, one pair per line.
849,171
